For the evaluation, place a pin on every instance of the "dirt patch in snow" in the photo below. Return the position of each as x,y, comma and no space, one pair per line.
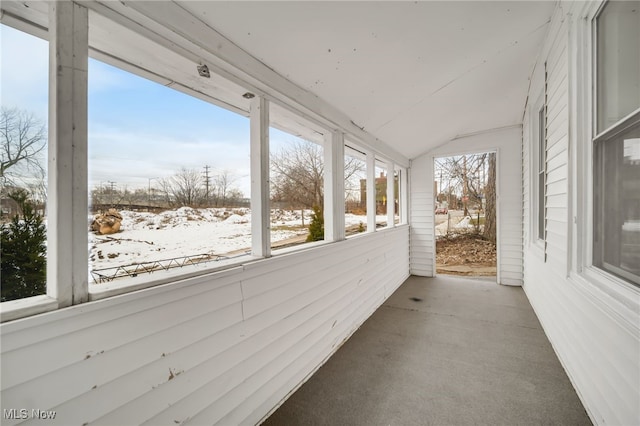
465,254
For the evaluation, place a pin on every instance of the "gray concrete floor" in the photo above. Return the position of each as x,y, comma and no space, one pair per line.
441,351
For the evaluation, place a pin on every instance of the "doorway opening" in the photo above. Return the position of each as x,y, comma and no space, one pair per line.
465,214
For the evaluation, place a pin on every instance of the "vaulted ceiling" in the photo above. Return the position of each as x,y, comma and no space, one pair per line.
412,74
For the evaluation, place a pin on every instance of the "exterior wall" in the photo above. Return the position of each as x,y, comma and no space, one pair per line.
507,143
592,321
422,217
224,348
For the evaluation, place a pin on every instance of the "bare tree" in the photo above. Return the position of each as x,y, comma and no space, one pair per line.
23,138
490,214
354,177
463,176
298,175
223,185
185,188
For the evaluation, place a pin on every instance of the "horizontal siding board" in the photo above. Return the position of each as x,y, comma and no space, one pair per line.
557,82
284,353
557,188
134,376
277,351
557,200
17,334
284,280
78,346
105,392
237,416
558,174
557,214
311,286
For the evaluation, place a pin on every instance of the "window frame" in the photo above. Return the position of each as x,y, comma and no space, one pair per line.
12,309
538,174
75,237
620,296
598,144
598,137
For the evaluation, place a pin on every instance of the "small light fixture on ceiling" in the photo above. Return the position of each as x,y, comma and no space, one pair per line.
203,70
248,95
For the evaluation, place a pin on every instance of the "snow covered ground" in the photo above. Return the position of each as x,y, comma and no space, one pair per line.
146,237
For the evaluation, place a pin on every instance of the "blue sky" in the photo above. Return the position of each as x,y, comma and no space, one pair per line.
138,129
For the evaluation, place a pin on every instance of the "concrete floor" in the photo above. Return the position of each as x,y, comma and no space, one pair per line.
441,351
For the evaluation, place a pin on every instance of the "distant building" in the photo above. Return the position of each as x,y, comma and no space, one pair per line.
381,193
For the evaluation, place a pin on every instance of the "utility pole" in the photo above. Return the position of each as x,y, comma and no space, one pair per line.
206,184
111,192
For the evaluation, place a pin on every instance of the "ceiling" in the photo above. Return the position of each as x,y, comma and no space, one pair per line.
412,74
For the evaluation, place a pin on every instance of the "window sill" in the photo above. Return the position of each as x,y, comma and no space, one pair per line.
16,309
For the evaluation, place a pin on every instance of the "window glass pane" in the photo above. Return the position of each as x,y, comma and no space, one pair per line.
23,173
297,190
618,54
169,178
617,204
381,195
355,192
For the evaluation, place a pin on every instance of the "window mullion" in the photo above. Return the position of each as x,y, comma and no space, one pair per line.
391,198
260,208
371,192
67,273
334,187
404,195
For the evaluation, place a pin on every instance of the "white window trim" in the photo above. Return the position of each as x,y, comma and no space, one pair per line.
583,38
534,154
67,275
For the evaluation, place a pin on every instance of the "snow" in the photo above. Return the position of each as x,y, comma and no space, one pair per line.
147,237
465,223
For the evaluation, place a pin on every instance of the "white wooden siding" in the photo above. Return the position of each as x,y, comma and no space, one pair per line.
421,214
596,337
508,144
222,348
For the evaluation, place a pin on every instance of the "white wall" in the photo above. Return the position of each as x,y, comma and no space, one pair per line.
508,145
592,321
224,348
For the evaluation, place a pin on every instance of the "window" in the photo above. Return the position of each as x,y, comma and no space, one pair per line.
541,159
355,191
381,195
167,144
168,178
23,177
616,245
297,190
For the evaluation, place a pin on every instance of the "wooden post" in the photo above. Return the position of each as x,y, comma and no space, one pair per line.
334,187
67,263
260,209
371,192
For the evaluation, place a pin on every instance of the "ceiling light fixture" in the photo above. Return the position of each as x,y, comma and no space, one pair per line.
248,95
